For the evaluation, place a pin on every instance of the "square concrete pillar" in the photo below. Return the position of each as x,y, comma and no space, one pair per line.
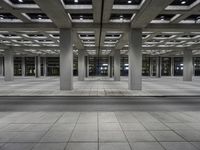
37,67
66,59
135,59
172,66
9,65
23,67
81,65
117,65
187,65
1,66
158,67
44,66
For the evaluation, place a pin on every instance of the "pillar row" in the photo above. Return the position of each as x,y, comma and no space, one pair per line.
135,59
66,59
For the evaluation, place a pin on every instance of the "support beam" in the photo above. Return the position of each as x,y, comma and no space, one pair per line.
37,67
135,59
66,59
81,65
109,67
45,66
1,66
172,66
117,65
23,67
9,65
187,65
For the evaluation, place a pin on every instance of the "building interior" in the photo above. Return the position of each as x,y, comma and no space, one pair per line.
99,74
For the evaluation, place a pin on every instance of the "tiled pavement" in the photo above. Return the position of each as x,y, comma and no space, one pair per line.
100,130
99,86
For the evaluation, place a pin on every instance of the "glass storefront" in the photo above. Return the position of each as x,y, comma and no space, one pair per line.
30,66
18,66
53,66
196,62
124,66
146,66
166,66
154,65
75,66
98,66
178,66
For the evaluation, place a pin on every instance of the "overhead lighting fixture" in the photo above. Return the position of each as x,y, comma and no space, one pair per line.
162,18
1,16
121,17
129,2
75,1
39,17
183,2
21,1
81,17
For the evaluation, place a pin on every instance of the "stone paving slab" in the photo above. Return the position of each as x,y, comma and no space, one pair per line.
96,86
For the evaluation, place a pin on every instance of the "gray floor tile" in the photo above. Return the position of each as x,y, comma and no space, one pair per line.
155,126
27,137
196,144
82,146
167,136
112,136
114,146
139,136
146,146
81,136
86,127
56,136
50,146
178,146
190,135
132,126
109,126
18,146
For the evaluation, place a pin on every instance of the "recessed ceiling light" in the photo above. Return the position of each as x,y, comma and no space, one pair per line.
21,1
183,2
129,2
121,17
162,18
81,17
75,1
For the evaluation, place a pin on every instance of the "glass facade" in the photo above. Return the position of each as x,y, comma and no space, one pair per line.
18,66
166,66
178,66
98,66
146,66
196,62
30,66
124,66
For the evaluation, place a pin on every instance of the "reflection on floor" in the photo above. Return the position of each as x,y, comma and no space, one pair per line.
98,86
100,130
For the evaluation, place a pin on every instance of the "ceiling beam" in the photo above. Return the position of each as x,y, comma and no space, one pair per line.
50,8
149,10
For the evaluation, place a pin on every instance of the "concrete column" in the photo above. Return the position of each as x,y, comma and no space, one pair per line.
151,67
9,65
88,66
109,67
66,59
37,67
117,65
135,59
1,66
187,65
158,67
45,66
172,66
81,65
23,67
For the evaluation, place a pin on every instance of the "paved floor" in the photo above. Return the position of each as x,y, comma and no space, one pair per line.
161,123
99,86
99,130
